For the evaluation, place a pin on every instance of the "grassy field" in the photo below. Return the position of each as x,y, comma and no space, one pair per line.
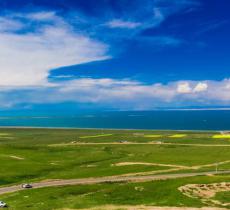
96,136
31,155
159,193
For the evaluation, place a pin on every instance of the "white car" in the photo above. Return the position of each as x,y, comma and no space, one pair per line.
2,204
27,186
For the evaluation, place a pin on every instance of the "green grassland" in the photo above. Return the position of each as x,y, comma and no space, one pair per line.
157,193
31,155
223,196
96,136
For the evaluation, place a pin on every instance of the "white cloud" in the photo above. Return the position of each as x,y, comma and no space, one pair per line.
9,25
218,91
188,87
124,93
123,24
93,83
43,16
134,94
200,87
27,58
184,87
153,20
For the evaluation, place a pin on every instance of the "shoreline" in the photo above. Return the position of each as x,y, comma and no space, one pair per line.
92,128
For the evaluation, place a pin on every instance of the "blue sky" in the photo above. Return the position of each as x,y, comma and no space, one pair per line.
114,54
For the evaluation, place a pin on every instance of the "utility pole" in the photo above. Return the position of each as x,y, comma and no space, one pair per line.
216,167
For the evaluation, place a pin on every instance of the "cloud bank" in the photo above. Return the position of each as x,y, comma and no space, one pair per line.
27,55
125,93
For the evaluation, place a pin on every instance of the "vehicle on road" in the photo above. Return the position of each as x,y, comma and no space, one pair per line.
2,204
123,141
27,186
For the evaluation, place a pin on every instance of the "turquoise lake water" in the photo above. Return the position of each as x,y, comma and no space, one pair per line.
173,120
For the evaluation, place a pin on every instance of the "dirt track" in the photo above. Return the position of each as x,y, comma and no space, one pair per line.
53,183
171,165
137,143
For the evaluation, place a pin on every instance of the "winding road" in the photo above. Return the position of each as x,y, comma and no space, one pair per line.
86,181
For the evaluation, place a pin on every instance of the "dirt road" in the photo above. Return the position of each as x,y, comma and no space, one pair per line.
86,181
137,143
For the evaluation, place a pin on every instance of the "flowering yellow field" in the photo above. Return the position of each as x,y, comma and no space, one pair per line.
178,136
153,136
221,136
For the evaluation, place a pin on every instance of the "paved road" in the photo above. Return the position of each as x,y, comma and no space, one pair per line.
53,183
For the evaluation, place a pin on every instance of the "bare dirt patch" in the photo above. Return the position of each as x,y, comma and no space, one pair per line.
149,164
16,157
206,192
88,166
55,164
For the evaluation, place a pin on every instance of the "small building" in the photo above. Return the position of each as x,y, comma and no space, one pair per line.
225,132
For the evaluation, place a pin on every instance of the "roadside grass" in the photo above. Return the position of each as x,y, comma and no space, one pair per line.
224,166
156,193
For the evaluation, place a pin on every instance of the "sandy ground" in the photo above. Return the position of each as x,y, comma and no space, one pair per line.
206,192
142,207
